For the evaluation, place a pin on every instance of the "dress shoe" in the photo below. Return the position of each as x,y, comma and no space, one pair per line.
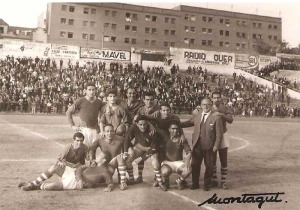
194,187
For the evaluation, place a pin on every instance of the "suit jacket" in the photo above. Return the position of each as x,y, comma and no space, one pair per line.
211,134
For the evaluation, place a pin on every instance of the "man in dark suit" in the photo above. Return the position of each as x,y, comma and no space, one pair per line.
206,138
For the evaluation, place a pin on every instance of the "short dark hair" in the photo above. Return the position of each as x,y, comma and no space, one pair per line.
174,122
216,92
141,117
90,84
165,104
148,93
111,91
78,135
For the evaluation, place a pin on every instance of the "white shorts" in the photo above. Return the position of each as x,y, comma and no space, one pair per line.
174,165
225,141
68,179
90,135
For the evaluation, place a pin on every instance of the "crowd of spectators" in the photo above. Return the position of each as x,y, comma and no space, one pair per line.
47,86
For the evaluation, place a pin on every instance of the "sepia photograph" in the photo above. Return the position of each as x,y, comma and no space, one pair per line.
162,105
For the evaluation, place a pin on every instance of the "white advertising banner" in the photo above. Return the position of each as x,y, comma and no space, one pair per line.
246,62
211,60
24,49
106,54
265,60
64,51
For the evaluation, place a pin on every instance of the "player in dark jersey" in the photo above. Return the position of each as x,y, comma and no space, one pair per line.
145,144
173,161
72,156
89,108
111,146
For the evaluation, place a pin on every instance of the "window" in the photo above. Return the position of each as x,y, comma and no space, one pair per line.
275,38
221,44
86,10
210,19
227,22
64,7
114,26
243,35
71,22
70,35
244,23
204,30
259,25
63,20
186,40
154,31
193,18
243,46
172,44
84,36
114,13
221,20
226,44
167,20
203,42
106,25
237,44
93,11
113,39
107,12
92,37
254,46
187,17
166,44
254,36
186,28
147,18
210,31
238,34
92,24
147,42
193,29
153,42
62,34
192,41
133,41
1,30
275,27
128,18
71,9
147,30
172,32
270,37
166,32
221,32
209,42
173,20
134,28
85,23
238,22
134,16
106,38
154,18
254,25
226,33
269,26
204,18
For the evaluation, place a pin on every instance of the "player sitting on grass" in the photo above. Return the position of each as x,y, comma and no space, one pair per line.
73,155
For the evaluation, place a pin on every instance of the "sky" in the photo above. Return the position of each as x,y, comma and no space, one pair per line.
25,13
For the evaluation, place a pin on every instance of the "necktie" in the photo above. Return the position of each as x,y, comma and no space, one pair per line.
203,120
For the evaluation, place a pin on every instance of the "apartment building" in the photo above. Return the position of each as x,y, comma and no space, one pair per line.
122,26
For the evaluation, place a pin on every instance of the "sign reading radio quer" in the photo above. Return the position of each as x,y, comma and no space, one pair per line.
105,54
207,59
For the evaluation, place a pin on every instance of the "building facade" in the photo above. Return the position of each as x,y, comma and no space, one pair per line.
123,26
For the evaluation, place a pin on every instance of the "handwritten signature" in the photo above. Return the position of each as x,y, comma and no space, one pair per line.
259,198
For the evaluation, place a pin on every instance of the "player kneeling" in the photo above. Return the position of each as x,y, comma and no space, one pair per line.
173,156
